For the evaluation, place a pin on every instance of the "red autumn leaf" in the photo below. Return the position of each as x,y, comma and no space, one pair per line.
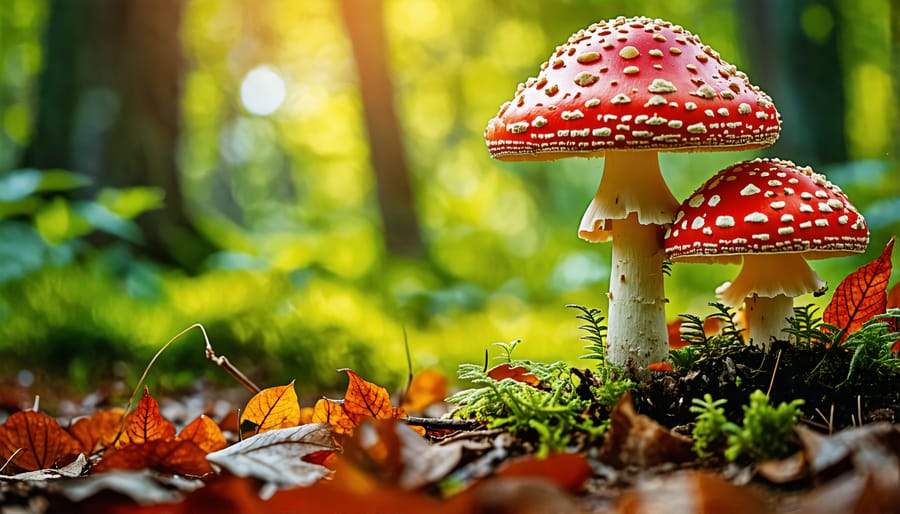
43,443
893,298
146,423
365,400
99,430
711,327
861,295
517,373
165,456
659,366
204,433
332,413
427,388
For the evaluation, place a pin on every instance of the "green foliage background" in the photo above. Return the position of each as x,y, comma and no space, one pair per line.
302,284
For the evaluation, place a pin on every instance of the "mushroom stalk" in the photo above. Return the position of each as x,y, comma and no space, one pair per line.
637,333
630,206
767,318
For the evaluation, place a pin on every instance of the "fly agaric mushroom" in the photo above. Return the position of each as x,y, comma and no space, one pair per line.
771,215
627,89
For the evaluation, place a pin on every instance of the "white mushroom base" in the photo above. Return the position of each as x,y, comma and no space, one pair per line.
767,285
637,333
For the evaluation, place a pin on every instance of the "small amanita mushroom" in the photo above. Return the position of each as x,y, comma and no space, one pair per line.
771,215
627,89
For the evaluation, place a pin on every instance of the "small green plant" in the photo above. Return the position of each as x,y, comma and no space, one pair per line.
807,328
872,347
712,426
764,434
612,382
703,347
596,332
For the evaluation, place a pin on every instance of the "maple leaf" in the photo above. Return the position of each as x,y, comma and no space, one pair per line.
861,295
43,443
99,430
276,456
146,423
271,409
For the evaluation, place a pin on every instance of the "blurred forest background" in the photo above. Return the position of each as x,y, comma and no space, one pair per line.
308,178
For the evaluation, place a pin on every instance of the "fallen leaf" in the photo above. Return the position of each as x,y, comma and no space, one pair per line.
690,492
861,295
142,487
332,413
427,388
275,456
659,366
853,493
893,297
366,400
517,373
204,433
43,443
636,440
162,455
568,471
146,423
71,470
272,408
99,430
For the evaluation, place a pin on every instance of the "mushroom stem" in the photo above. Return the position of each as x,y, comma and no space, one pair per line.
631,183
767,317
637,333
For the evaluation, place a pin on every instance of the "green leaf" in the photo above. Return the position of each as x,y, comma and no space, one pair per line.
101,218
129,203
21,251
57,222
20,184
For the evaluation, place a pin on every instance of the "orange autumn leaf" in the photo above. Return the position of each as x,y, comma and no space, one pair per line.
146,423
332,413
861,295
99,430
366,400
173,456
569,471
43,443
204,432
517,373
893,298
659,366
272,408
427,388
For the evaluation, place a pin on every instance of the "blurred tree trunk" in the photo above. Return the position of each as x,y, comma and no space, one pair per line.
365,27
794,56
109,107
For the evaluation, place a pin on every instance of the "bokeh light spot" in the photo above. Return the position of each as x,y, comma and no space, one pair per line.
263,90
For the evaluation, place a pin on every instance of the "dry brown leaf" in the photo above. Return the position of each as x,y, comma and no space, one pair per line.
204,433
43,443
99,430
162,455
272,408
636,440
517,373
146,423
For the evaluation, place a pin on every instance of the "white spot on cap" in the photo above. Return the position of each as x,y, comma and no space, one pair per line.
593,102
821,194
620,99
696,201
572,115
690,106
725,221
722,111
588,57
756,217
601,132
706,92
655,101
586,79
787,218
821,222
824,207
662,86
518,127
539,121
805,207
777,205
760,237
697,128
834,203
698,222
843,219
744,108
631,70
714,200
774,183
629,52
676,124
783,231
749,190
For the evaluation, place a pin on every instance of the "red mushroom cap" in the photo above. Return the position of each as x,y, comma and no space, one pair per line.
766,206
632,84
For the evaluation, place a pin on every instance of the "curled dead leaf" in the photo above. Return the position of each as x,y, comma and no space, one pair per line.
204,433
99,430
517,373
636,440
163,455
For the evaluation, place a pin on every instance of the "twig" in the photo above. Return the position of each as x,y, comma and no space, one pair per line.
471,434
859,408
222,362
10,459
774,371
442,424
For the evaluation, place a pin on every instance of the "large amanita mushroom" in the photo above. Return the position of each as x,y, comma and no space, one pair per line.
771,215
627,89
